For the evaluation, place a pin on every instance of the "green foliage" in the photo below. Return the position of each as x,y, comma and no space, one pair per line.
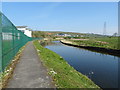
104,42
42,34
67,37
38,34
62,73
51,34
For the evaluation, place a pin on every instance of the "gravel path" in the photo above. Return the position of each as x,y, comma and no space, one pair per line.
29,72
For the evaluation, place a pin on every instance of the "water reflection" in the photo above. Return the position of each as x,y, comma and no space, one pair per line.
101,68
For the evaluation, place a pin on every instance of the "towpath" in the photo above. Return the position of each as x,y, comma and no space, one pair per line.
29,72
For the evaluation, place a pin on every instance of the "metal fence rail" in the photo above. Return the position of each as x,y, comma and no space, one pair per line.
11,40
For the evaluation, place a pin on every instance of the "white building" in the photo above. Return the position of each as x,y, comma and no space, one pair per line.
64,35
25,30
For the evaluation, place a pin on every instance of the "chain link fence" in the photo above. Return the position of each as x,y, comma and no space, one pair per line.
11,40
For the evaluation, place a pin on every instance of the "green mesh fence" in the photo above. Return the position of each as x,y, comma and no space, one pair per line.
0,42
11,40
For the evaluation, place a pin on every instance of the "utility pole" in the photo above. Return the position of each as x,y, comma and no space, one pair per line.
104,29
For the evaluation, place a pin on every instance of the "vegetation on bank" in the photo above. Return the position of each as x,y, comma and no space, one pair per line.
62,73
52,34
103,42
95,40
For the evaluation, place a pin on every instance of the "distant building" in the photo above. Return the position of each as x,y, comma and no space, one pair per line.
62,34
67,35
27,31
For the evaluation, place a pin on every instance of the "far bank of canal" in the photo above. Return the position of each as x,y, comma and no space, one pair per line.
101,68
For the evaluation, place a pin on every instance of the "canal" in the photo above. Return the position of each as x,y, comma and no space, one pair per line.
100,68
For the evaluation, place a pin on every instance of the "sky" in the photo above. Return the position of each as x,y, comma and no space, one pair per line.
82,17
60,0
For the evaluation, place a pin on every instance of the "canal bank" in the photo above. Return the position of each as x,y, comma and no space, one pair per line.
62,73
97,49
100,68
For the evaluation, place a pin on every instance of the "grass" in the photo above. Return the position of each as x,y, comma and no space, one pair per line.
104,42
62,73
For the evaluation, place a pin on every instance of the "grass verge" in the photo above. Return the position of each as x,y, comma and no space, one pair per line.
62,73
102,42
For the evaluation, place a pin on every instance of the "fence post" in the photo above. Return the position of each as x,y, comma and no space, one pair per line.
0,42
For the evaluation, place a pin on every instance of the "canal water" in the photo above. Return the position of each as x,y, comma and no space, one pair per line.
100,68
